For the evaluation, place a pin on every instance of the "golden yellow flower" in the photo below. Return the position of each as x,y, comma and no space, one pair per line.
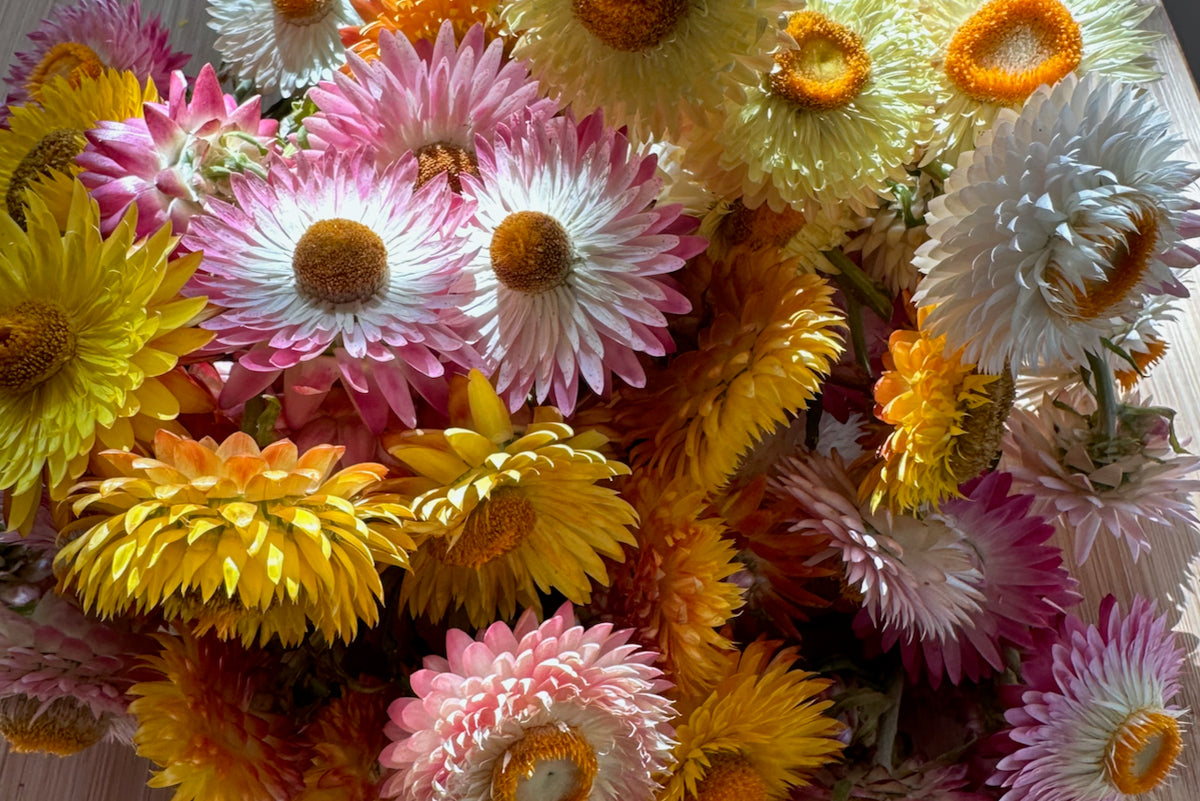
772,339
246,542
674,591
38,149
92,327
417,20
508,512
208,724
947,421
759,732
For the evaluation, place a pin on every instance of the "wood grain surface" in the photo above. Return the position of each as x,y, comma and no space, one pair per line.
1170,573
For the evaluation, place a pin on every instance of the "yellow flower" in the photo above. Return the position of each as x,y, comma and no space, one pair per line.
758,733
674,592
92,324
508,512
38,149
948,419
207,723
417,20
762,359
243,541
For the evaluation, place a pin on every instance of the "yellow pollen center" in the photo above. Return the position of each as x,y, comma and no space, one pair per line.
303,12
730,777
983,428
494,527
630,25
549,763
1130,257
64,727
69,60
1142,751
54,152
340,261
1008,48
531,252
443,157
35,341
827,69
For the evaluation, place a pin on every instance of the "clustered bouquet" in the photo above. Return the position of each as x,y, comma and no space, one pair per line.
591,400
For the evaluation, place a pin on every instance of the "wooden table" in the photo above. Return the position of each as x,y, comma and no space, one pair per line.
1171,573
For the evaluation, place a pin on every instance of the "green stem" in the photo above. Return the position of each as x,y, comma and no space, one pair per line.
1106,395
858,334
851,279
889,724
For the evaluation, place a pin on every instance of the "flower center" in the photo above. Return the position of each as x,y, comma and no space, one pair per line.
35,341
495,527
443,157
54,152
1128,377
531,252
1008,48
340,261
303,12
828,67
63,727
549,763
730,777
983,427
69,60
1142,751
630,25
1130,257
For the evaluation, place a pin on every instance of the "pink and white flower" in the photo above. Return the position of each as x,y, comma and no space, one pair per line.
533,711
330,268
176,157
572,258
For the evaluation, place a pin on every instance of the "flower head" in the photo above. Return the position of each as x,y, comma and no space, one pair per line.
83,39
65,677
994,54
429,100
507,511
332,255
39,146
345,739
250,542
238,749
549,711
1088,482
571,259
1064,219
759,732
834,113
169,162
1095,721
281,45
93,323
416,21
947,418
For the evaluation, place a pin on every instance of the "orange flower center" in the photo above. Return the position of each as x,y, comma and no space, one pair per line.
828,67
1008,48
730,777
443,157
303,12
1128,377
549,763
1130,257
69,60
54,152
494,527
531,252
36,340
630,25
340,261
1142,751
64,727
